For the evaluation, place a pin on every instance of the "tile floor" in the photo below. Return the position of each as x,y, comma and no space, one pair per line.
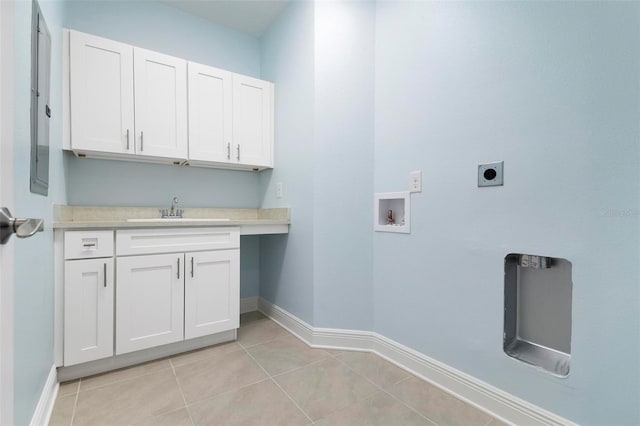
266,377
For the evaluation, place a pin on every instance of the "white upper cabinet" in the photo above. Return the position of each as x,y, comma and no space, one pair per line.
160,104
230,119
126,100
101,90
253,121
209,113
134,104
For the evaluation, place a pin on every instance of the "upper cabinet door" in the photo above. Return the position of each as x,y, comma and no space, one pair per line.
101,94
209,113
252,121
160,105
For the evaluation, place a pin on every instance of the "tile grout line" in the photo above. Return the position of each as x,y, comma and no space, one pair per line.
128,378
173,370
299,368
75,403
409,407
386,392
336,357
280,387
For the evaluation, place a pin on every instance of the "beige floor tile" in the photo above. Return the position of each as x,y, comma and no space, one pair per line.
69,388
377,410
250,317
204,353
257,332
174,418
63,410
437,405
258,404
129,401
217,374
124,374
324,387
374,368
336,352
284,354
496,422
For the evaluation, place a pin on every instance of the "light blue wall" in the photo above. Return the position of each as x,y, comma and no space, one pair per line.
249,266
343,157
120,183
33,305
155,26
552,89
286,261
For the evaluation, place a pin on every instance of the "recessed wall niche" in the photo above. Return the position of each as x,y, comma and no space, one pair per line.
392,212
537,311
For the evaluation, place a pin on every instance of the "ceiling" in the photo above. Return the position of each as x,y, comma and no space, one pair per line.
252,17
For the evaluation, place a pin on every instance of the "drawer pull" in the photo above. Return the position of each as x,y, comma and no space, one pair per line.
105,275
87,245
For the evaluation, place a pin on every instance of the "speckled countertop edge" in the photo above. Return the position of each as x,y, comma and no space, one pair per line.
75,217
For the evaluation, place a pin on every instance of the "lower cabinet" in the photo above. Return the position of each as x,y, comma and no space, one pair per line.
149,301
170,285
211,292
88,310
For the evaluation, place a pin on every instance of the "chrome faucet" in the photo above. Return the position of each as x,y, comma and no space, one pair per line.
174,203
172,213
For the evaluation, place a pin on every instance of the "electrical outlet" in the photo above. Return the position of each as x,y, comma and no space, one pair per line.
279,190
491,174
415,181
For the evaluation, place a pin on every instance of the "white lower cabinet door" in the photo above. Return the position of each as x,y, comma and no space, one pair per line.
212,292
88,310
149,301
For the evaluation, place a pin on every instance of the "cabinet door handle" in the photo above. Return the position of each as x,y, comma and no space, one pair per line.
127,139
105,275
238,152
178,268
141,141
229,151
191,266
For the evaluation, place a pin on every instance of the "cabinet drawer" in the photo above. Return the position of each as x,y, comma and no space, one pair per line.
173,240
88,244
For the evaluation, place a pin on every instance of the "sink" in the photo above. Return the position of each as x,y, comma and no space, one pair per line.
178,219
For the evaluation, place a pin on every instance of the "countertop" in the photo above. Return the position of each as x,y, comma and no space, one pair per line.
97,217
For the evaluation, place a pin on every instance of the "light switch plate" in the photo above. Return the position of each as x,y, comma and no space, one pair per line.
415,181
279,190
491,174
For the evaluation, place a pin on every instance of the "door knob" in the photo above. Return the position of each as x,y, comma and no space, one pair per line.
23,228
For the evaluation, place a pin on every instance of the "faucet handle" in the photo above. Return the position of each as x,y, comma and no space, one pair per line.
179,212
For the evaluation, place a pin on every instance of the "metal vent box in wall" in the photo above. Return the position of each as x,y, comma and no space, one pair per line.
537,311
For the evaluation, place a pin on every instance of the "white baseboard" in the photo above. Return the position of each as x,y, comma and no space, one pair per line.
47,400
248,304
493,401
